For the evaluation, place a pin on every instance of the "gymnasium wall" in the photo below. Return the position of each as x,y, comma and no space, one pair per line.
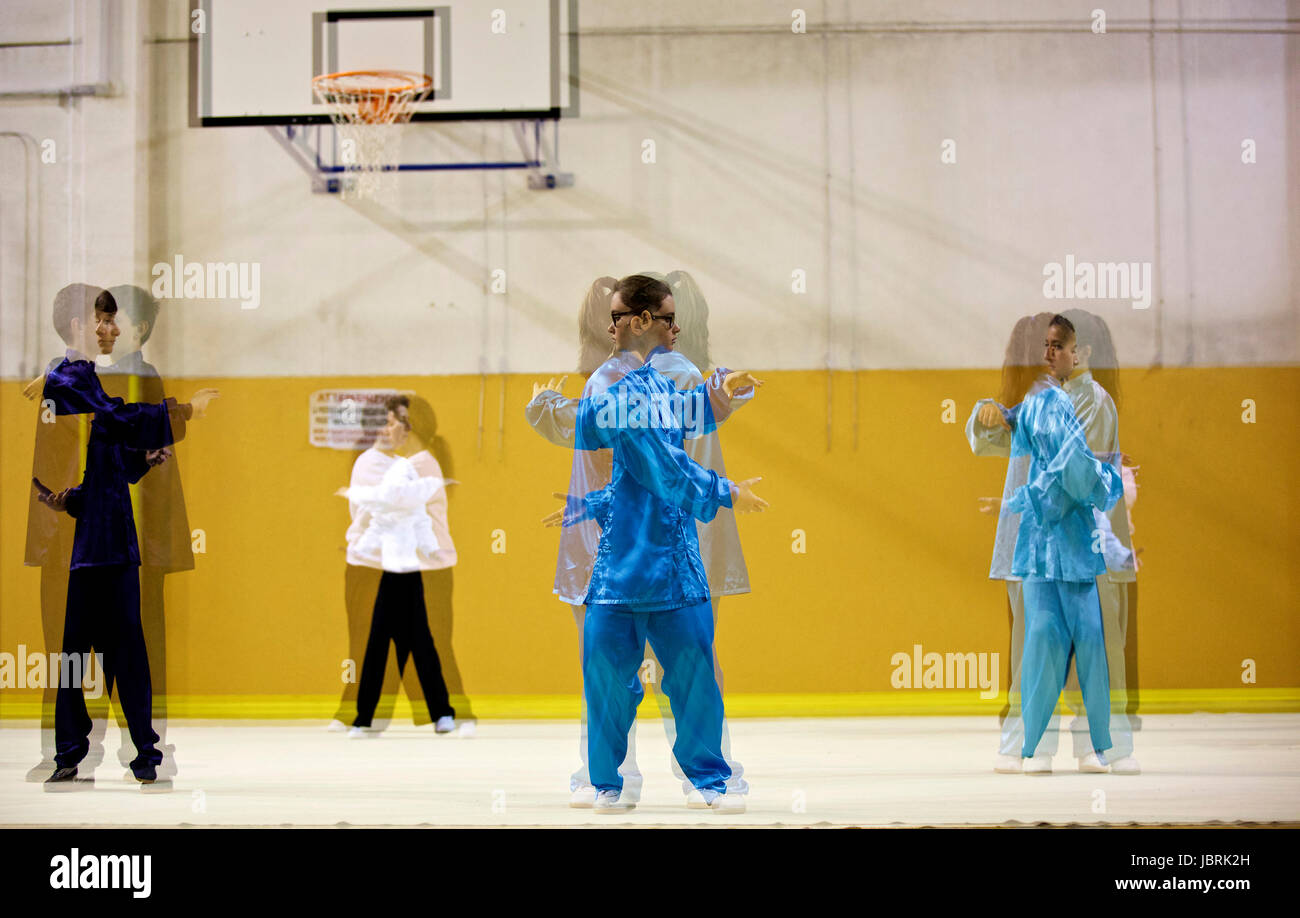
896,552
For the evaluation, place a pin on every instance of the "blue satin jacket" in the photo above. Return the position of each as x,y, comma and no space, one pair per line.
1058,537
648,557
120,434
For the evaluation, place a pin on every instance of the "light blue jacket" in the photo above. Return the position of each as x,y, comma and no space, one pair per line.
648,557
1059,538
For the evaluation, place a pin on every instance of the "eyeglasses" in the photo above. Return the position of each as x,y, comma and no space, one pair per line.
671,318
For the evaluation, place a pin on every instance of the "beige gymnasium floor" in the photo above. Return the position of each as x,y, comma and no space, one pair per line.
870,771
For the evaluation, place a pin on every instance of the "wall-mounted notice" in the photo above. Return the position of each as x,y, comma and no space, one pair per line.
347,418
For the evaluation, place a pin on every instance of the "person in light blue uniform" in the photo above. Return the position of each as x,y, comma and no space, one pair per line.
647,580
1059,554
554,416
989,432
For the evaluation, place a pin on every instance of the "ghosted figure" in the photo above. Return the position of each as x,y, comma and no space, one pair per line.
1093,388
157,499
615,601
1052,521
123,442
400,556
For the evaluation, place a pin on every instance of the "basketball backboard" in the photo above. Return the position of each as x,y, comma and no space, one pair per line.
507,59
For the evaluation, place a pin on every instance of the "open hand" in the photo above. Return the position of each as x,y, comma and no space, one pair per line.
743,498
33,388
199,401
156,457
551,386
739,380
55,501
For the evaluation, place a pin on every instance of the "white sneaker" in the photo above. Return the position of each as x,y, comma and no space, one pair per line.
467,730
337,726
445,724
362,733
584,798
695,800
1038,765
728,803
1125,766
1008,764
1091,764
611,801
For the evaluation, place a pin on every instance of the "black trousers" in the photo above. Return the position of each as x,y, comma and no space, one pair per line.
103,613
400,617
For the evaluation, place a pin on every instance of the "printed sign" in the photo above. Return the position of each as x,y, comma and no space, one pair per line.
347,418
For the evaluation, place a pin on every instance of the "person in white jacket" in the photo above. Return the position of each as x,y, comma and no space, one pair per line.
394,486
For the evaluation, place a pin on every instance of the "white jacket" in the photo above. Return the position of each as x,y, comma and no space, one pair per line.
399,513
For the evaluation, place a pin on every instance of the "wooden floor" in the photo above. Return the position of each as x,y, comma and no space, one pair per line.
872,771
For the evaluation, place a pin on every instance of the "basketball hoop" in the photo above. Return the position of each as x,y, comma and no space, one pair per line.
369,108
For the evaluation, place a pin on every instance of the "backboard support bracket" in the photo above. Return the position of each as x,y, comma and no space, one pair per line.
314,148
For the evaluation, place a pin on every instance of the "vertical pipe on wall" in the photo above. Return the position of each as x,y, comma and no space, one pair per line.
826,204
1158,269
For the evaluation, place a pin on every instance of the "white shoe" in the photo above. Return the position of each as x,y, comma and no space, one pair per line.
362,733
1125,766
584,798
1091,764
467,730
1008,764
695,800
1038,765
337,726
728,803
610,801
445,724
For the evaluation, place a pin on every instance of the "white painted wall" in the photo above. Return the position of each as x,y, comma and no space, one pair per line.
775,151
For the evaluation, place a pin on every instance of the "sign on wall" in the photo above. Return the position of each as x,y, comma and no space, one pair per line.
347,418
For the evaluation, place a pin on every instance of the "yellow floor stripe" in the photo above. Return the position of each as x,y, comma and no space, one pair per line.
902,703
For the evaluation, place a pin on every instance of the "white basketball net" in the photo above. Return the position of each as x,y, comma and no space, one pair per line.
369,108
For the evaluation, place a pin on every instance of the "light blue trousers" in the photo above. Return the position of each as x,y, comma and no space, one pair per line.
1063,618
1114,622
614,639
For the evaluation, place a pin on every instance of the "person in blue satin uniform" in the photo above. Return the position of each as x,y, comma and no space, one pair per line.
554,417
1059,554
103,605
647,580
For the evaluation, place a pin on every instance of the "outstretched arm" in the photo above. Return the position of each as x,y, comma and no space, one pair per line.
138,425
552,415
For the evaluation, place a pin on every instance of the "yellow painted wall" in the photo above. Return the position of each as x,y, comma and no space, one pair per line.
897,553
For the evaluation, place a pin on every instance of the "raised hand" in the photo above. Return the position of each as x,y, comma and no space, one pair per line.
739,380
156,457
550,386
991,416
